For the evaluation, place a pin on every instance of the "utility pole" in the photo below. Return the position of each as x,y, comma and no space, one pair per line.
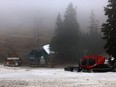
85,52
36,33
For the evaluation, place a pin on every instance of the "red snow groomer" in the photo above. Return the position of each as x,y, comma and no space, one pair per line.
95,63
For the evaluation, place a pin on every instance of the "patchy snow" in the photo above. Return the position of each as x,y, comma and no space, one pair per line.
47,48
53,77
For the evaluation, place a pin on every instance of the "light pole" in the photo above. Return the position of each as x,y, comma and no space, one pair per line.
85,52
36,33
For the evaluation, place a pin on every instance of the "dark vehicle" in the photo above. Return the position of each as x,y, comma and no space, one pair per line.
37,57
94,63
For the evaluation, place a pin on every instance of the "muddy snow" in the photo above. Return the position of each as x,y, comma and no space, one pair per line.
53,77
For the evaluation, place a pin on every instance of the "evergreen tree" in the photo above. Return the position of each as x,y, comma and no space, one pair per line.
94,40
109,28
65,42
56,40
93,25
84,43
71,34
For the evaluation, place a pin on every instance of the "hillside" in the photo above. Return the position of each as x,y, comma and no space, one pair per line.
22,42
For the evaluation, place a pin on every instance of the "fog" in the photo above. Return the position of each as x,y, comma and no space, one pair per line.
21,15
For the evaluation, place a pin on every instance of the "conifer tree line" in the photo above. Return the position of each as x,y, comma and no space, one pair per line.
109,28
70,43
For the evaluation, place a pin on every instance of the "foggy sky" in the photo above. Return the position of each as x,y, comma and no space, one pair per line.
21,14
